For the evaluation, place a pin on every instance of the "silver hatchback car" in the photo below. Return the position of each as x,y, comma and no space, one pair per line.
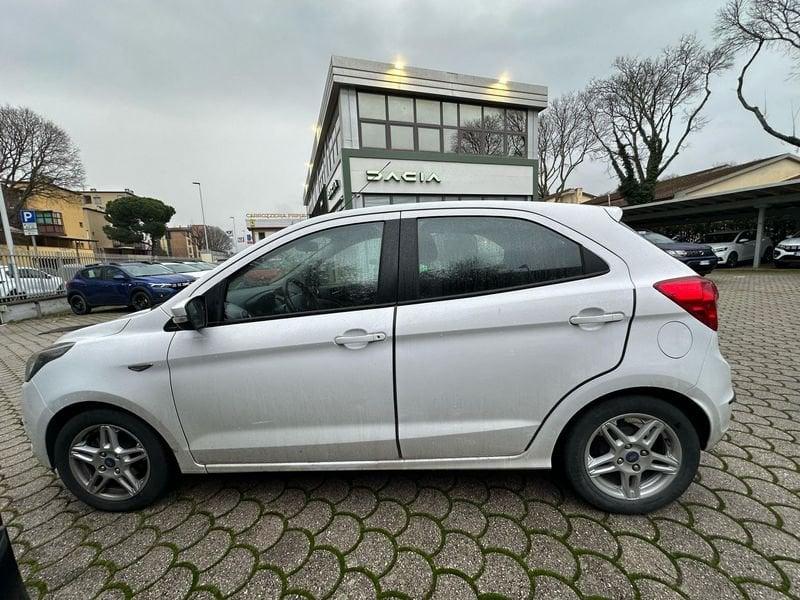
432,336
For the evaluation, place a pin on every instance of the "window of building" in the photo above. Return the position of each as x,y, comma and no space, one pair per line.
465,255
332,269
405,123
49,221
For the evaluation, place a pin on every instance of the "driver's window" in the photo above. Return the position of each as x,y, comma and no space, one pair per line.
331,269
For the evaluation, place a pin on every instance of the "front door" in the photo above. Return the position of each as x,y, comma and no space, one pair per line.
297,365
500,317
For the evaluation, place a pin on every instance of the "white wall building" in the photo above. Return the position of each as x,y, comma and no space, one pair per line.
388,134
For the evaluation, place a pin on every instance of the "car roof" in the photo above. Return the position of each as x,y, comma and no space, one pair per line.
554,210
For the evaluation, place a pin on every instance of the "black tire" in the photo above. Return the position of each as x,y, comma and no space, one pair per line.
767,256
140,300
159,468
79,305
733,260
575,442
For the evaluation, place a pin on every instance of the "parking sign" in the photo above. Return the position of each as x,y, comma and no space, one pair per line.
28,220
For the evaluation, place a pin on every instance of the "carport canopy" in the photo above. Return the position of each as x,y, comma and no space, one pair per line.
780,198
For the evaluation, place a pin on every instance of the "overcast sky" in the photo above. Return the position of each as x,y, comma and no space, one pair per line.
157,94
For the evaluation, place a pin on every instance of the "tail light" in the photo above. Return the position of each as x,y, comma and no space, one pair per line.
696,295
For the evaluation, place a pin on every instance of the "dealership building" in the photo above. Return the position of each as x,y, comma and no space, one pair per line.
389,133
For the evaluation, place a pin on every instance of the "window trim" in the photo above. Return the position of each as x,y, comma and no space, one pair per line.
408,276
386,295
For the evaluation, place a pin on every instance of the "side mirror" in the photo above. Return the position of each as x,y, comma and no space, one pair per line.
191,313
744,240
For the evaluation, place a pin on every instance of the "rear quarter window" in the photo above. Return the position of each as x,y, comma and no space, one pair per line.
471,255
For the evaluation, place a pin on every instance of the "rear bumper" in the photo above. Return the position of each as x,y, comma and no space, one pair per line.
714,392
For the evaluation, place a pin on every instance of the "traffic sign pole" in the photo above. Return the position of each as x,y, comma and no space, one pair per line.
9,240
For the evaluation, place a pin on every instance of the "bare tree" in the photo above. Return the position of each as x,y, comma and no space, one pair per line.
756,25
563,140
642,115
218,240
35,154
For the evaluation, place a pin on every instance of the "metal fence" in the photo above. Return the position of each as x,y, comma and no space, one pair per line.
40,275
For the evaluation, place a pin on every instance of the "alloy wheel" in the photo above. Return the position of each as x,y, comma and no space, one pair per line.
633,456
109,462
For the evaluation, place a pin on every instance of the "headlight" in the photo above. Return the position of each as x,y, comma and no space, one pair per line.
781,247
163,285
677,252
723,249
40,359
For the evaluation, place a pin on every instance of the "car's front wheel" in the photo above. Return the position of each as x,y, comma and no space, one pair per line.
111,460
141,300
631,455
733,260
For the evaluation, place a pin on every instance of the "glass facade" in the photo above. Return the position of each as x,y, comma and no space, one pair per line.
331,158
405,123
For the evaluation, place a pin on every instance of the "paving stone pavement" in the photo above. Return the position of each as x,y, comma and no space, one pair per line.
734,534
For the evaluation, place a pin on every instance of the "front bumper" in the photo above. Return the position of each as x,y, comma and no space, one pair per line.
700,263
786,257
36,416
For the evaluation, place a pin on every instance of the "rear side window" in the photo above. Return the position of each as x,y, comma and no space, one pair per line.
468,255
93,273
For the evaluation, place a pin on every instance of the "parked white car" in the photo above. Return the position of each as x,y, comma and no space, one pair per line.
454,335
185,269
733,247
32,282
788,251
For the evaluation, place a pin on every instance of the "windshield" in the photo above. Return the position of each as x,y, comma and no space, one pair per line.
716,238
139,270
656,238
181,268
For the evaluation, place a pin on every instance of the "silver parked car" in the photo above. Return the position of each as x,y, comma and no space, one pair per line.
458,335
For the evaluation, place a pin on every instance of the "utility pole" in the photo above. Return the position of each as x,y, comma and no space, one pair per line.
202,212
235,247
9,240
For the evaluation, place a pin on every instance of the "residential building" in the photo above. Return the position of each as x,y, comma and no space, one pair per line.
180,242
94,205
262,225
570,196
389,133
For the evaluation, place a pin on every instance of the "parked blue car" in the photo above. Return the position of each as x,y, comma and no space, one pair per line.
138,285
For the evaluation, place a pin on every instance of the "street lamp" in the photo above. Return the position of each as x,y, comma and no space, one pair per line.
202,211
235,247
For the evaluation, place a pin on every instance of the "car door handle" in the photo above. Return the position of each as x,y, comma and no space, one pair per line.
603,318
366,338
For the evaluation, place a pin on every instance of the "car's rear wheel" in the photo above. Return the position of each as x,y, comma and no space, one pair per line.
79,305
631,455
141,300
733,260
767,256
111,460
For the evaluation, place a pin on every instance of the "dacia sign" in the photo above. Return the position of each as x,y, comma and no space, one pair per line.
405,176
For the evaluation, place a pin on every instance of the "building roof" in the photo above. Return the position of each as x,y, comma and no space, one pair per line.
682,184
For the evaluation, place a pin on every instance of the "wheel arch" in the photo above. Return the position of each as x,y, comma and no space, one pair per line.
692,409
60,418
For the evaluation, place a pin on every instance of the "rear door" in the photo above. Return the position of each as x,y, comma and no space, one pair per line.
502,313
